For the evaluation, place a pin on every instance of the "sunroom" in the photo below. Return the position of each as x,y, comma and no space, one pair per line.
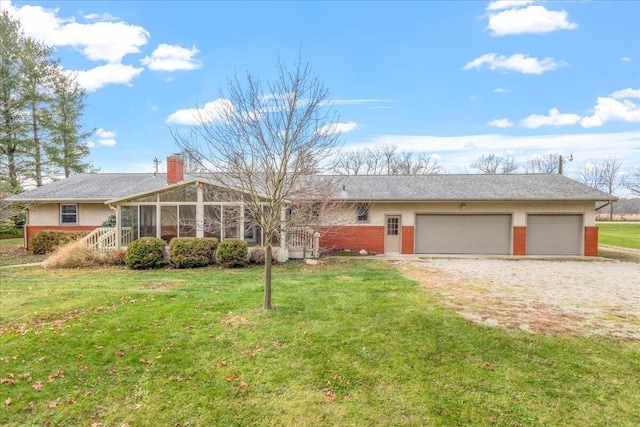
193,209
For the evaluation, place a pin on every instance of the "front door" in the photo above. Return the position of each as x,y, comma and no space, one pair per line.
392,234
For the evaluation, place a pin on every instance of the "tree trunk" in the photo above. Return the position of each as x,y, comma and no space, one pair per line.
611,211
267,277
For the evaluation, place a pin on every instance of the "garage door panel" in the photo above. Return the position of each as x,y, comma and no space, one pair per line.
463,234
554,234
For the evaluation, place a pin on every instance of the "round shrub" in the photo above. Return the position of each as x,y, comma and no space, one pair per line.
232,253
44,242
145,253
258,254
192,252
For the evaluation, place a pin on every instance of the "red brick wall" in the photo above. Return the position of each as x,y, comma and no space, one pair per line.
367,237
519,240
591,241
408,233
175,169
30,230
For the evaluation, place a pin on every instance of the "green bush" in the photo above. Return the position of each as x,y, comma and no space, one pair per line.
192,252
44,242
145,253
8,229
232,253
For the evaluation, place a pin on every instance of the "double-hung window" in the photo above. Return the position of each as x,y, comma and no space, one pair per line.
69,214
362,212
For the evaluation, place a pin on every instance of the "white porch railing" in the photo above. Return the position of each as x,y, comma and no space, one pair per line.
101,239
303,243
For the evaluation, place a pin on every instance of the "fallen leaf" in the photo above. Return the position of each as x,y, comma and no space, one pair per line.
30,406
59,374
119,353
37,385
146,362
83,368
7,401
51,404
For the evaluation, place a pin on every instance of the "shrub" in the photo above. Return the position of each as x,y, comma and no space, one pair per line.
145,253
258,254
232,253
44,242
114,257
110,222
191,252
73,255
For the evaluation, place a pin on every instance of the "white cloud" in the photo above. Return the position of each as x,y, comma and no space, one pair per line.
507,4
171,58
625,59
626,93
532,19
210,112
101,133
517,62
500,123
105,138
501,90
609,109
338,128
555,118
90,38
103,75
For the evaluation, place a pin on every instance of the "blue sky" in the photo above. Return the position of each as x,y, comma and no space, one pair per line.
456,79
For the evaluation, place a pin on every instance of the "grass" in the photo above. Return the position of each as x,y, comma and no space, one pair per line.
350,343
12,253
619,234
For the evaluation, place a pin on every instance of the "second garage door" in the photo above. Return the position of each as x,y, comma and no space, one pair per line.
463,234
554,234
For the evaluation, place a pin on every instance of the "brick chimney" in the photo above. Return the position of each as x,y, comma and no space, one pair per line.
175,169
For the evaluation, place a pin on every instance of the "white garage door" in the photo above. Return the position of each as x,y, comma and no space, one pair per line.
554,234
463,234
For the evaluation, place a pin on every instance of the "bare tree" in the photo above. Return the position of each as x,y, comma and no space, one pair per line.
494,164
603,174
543,164
386,160
590,174
611,179
632,181
261,141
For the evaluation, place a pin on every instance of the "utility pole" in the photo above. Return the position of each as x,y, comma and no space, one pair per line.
561,163
157,162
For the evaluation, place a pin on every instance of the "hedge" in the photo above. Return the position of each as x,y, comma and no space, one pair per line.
145,253
191,252
44,242
232,253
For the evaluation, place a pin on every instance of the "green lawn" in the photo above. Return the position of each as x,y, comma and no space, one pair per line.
619,234
350,343
12,253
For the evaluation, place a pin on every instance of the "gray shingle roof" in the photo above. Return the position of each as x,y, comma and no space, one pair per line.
110,186
94,187
466,187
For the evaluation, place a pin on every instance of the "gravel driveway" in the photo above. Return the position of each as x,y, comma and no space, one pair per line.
586,297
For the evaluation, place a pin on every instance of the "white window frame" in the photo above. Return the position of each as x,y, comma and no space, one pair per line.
62,214
365,209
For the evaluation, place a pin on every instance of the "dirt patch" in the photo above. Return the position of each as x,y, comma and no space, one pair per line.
596,297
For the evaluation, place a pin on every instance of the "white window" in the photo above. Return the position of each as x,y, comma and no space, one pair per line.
68,214
362,212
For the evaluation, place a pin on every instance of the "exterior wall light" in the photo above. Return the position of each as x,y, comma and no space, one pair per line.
463,206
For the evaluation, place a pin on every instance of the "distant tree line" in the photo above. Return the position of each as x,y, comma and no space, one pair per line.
41,107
